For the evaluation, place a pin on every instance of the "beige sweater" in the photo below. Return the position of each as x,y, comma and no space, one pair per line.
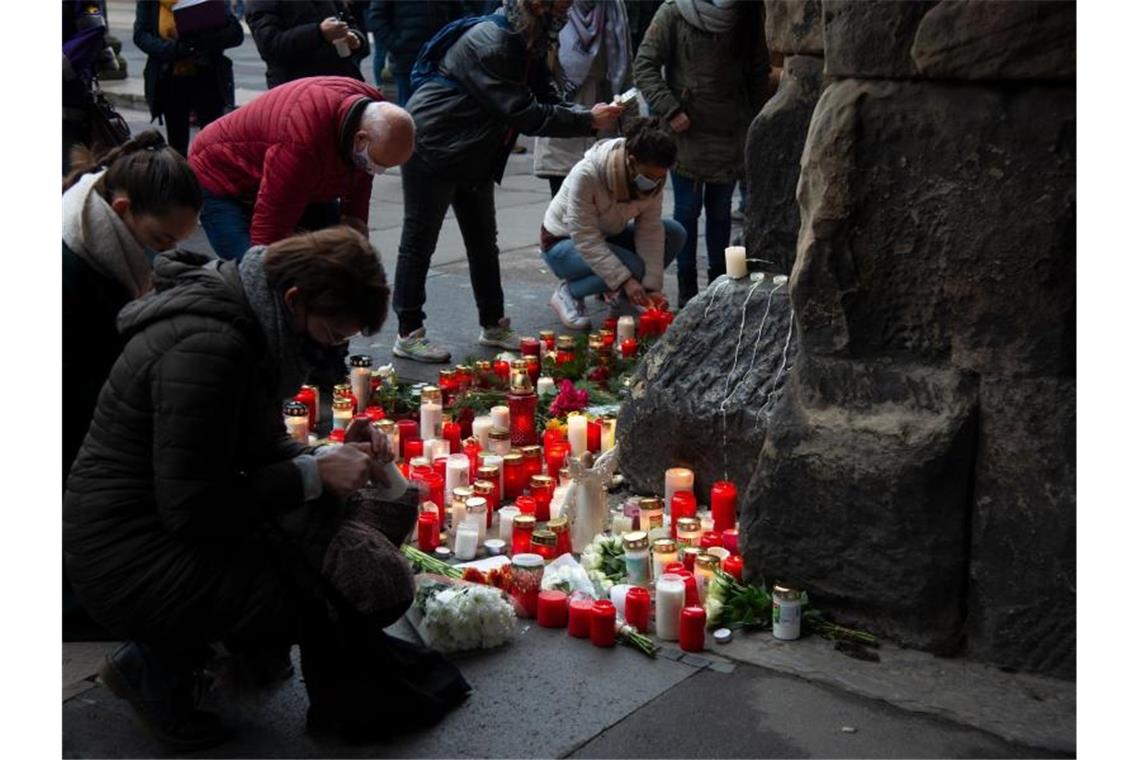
595,203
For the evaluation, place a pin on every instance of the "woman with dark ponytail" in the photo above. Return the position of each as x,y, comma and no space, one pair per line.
603,233
118,210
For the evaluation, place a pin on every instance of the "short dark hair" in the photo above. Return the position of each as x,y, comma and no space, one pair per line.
154,177
337,271
650,141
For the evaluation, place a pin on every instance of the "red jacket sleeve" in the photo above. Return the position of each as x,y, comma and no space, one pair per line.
282,196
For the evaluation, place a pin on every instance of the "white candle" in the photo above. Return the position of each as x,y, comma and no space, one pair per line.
341,417
621,524
466,542
431,420
677,479
481,429
298,428
626,329
618,592
458,473
507,522
670,600
706,519
501,417
494,460
734,262
558,501
545,385
477,516
361,379
577,435
458,516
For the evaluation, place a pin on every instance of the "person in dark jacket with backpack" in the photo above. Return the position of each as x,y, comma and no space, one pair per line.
307,38
485,85
191,516
185,72
403,26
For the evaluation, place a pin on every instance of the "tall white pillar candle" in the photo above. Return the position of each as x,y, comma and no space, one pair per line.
677,479
361,380
734,262
458,473
507,522
481,429
577,435
431,420
501,417
670,601
466,542
626,329
458,516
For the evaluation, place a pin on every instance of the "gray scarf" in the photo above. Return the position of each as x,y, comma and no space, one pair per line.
96,234
591,25
714,17
283,343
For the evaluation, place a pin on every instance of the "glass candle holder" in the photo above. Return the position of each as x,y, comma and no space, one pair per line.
530,346
310,397
507,517
466,542
481,429
451,434
297,421
514,476
500,439
734,566
552,609
564,350
477,516
522,528
652,513
543,543
344,390
731,538
692,632
546,337
670,602
485,490
710,539
637,558
683,504
560,527
448,386
688,531
544,386
628,347
556,453
486,459
490,473
532,460
342,413
360,378
407,430
502,372
527,506
594,436
534,370
581,610
431,413
523,407
427,531
525,581
484,374
707,566
664,554
542,490
689,556
435,484
620,523
637,608
464,377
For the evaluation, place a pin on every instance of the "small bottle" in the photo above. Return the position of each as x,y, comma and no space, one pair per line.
637,558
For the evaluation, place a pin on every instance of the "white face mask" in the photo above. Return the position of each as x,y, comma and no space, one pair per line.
364,161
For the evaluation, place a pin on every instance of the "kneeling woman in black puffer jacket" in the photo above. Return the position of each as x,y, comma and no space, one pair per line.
191,517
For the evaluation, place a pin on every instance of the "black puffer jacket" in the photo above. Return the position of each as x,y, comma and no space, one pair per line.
167,513
466,126
403,26
289,39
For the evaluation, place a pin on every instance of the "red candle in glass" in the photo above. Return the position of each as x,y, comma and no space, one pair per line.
693,629
532,461
675,567
608,338
734,566
581,610
451,432
637,608
594,436
374,413
502,371
602,620
522,408
684,504
427,531
533,369
711,538
435,483
521,531
544,550
529,346
647,325
542,491
556,454
551,436
692,596
731,540
411,447
610,323
514,477
439,465
471,448
527,505
628,347
552,609
689,557
308,396
409,429
723,502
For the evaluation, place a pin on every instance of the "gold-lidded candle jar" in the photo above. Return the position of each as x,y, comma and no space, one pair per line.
431,413
342,412
652,513
543,543
688,531
664,553
297,421
706,567
500,439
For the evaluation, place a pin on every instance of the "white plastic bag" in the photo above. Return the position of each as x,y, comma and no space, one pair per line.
566,574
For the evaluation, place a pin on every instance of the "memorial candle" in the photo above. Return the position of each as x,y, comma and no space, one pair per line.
677,479
625,328
501,416
545,385
710,539
507,517
664,554
688,530
577,425
427,531
637,608
448,386
628,347
602,620
522,528
594,436
542,490
652,514
514,477
431,413
560,526
532,461
556,454
496,461
481,429
670,602
692,633
546,337
471,450
490,473
375,413
451,434
502,372
435,485
500,439
439,464
620,523
723,502
529,346
360,377
735,263
581,610
522,404
466,542
527,505
309,395
533,370
689,556
342,413
609,433
526,578
407,430
734,566
458,515
565,352
485,490
297,421
731,540
542,543
706,570
477,516
552,609
458,472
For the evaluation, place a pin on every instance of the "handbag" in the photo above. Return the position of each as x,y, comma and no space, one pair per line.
108,128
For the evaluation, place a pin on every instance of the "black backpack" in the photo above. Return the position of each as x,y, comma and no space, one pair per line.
426,68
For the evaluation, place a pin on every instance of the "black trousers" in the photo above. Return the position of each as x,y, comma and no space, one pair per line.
179,96
427,195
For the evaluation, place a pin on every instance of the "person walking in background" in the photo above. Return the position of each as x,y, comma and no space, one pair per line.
379,53
595,65
185,72
603,232
640,14
403,26
715,80
307,38
265,174
491,83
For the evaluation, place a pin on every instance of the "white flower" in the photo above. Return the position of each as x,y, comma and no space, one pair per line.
468,617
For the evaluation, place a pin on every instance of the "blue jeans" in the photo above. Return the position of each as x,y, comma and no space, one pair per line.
567,263
226,222
403,89
378,60
688,197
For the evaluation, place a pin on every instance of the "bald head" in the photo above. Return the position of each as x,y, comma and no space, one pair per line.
389,133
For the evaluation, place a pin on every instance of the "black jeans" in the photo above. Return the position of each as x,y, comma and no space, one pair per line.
182,94
427,195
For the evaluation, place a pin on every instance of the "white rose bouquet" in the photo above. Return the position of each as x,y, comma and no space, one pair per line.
462,617
604,560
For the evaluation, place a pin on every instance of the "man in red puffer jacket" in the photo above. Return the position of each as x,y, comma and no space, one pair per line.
302,155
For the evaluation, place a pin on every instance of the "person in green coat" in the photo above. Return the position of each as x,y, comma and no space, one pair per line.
703,67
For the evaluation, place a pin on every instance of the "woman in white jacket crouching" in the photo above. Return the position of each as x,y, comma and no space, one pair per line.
603,232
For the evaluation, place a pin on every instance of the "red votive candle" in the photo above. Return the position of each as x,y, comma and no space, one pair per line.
610,323
451,434
734,566
692,595
553,435
502,371
529,346
374,413
409,430
552,609
427,531
676,568
556,453
542,491
628,347
471,449
337,435
581,610
693,629
722,499
533,369
514,476
308,396
710,539
602,620
683,504
439,466
434,482
527,505
637,608
521,531
594,436
689,557
731,540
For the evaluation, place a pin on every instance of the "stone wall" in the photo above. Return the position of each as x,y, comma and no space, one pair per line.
918,475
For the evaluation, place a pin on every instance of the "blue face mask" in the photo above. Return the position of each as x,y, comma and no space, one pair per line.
645,184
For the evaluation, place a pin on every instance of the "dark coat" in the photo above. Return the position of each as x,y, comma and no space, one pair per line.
91,343
288,37
495,90
171,504
207,48
403,26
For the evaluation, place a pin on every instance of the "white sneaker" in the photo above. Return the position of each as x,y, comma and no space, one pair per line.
570,310
417,347
502,336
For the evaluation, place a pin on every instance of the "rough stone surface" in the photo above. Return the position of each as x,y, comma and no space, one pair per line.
1023,573
871,38
862,495
772,153
971,39
794,27
674,416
